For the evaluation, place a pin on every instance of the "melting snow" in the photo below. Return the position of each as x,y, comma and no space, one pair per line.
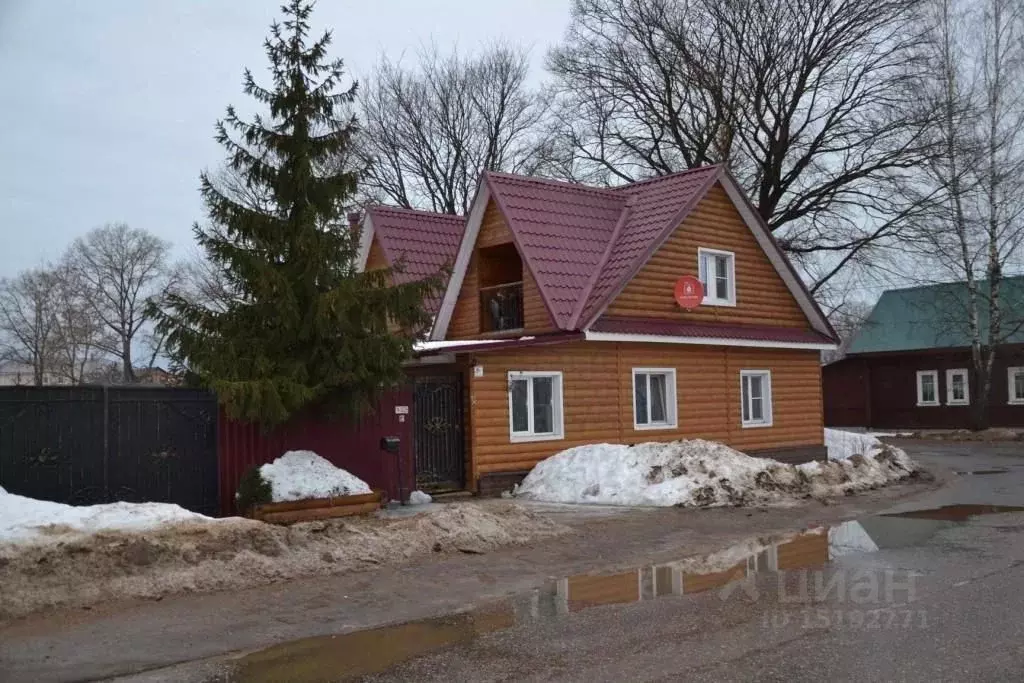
24,518
419,498
298,475
698,473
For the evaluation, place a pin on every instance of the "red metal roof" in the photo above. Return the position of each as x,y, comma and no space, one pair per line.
563,231
584,244
423,241
668,328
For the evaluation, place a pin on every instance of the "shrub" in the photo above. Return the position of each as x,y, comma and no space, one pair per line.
253,489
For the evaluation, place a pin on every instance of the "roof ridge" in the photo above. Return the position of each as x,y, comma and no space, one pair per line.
935,285
667,176
417,212
561,184
589,288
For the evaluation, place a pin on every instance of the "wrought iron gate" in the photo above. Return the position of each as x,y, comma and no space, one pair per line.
439,433
86,445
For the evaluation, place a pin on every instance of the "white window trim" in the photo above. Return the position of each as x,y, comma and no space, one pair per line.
558,392
769,414
966,400
715,301
920,394
671,405
1010,374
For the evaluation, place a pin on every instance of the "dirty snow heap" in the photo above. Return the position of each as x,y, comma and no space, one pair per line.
27,519
698,473
298,475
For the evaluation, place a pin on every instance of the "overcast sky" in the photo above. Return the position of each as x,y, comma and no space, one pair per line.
109,105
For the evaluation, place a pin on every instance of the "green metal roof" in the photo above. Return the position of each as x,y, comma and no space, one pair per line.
935,317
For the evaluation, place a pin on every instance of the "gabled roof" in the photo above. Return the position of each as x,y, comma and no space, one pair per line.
583,245
424,242
935,317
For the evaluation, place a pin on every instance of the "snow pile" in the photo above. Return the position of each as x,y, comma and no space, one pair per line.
419,498
25,519
841,444
698,473
299,475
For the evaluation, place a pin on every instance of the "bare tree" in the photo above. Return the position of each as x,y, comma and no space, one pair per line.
28,322
805,100
975,226
79,333
123,268
429,131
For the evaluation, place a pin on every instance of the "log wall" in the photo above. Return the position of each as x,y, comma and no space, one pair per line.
598,399
762,297
465,322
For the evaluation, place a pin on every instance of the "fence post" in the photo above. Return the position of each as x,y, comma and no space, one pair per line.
106,443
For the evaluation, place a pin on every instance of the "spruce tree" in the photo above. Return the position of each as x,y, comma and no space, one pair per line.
304,326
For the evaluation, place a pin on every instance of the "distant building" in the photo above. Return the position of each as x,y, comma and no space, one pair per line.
910,365
13,374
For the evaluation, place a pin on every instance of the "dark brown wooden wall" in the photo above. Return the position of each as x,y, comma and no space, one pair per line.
880,391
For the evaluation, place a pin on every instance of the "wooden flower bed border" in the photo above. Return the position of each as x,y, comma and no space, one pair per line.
318,508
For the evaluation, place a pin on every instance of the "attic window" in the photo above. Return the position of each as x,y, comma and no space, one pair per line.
718,275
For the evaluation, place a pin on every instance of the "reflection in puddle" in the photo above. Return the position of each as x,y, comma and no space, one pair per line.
958,513
360,653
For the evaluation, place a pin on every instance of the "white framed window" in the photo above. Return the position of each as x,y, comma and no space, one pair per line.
756,398
654,398
535,406
1015,379
718,274
958,392
927,388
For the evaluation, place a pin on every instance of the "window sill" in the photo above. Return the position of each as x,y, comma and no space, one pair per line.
755,425
718,302
1015,402
958,403
655,427
527,438
928,405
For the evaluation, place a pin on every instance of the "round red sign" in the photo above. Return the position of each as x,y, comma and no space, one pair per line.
689,292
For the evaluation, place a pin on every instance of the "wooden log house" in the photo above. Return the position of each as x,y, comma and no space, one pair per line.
564,323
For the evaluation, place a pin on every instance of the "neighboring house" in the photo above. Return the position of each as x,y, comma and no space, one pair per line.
21,374
909,366
560,326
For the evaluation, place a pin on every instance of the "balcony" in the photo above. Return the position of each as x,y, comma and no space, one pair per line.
501,308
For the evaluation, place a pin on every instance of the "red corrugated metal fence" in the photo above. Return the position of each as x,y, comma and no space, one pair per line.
354,446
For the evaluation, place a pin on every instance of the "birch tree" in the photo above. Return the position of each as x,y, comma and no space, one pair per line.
974,230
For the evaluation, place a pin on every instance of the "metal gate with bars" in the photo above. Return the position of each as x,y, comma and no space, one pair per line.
439,434
86,445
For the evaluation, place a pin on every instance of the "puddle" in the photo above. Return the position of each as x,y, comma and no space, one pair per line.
361,653
997,470
957,513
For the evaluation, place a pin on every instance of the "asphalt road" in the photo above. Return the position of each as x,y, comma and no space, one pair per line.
939,600
931,596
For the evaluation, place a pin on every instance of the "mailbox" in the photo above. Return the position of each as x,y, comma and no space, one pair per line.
389,443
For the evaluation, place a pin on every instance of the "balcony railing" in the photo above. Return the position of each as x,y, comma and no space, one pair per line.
501,307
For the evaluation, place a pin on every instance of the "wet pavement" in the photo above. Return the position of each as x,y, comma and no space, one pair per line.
927,590
931,592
